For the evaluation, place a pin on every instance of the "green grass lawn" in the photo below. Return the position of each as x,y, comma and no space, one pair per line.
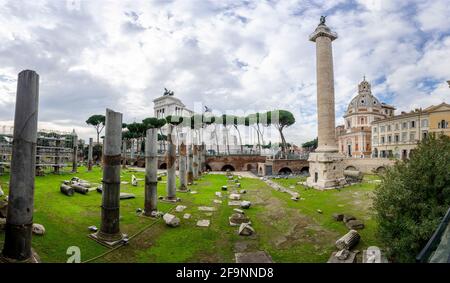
289,231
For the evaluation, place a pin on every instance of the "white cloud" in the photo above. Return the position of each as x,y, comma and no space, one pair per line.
229,55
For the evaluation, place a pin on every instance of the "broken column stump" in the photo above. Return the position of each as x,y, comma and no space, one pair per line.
109,233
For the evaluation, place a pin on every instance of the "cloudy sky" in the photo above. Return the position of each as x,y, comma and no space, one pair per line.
239,56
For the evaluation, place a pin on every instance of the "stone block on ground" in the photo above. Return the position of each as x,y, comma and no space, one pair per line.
351,258
234,203
354,224
235,196
245,204
253,257
236,219
180,208
338,216
373,255
93,228
347,218
134,181
246,229
224,188
217,201
1,192
238,210
100,189
206,208
242,191
193,192
203,223
171,220
38,229
187,216
127,196
219,194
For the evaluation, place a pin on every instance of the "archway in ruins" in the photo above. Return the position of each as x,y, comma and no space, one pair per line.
381,170
304,170
353,168
228,167
208,168
285,171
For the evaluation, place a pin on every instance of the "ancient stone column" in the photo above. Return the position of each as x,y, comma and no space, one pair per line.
203,157
124,154
90,152
151,170
182,163
75,153
19,218
323,37
190,172
195,162
325,164
109,232
57,157
171,166
132,151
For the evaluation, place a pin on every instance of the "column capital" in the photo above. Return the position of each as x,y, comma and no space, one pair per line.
323,30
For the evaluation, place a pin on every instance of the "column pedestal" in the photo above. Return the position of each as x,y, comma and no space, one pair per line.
326,170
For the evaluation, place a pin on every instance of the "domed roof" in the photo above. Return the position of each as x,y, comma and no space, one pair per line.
364,98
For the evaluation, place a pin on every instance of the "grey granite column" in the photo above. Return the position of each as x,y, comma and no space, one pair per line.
151,170
109,232
75,153
90,153
190,170
171,166
182,163
19,218
195,161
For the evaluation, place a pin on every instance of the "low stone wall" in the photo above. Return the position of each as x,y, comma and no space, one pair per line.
367,165
234,162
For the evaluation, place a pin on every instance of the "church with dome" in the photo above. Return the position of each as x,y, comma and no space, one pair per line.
355,136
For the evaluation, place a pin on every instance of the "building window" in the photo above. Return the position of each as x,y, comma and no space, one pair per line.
397,127
404,137
413,124
404,125
412,136
443,124
397,138
389,139
389,128
424,134
374,129
382,129
349,123
382,140
424,123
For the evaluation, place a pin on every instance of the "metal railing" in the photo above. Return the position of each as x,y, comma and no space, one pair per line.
433,243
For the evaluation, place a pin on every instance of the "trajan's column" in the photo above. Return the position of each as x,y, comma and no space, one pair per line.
325,164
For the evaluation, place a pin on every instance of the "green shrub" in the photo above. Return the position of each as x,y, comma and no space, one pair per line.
413,197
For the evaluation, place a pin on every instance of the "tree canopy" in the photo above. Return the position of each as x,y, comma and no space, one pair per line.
98,121
412,198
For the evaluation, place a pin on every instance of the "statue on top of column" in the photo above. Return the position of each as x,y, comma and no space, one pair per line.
322,20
